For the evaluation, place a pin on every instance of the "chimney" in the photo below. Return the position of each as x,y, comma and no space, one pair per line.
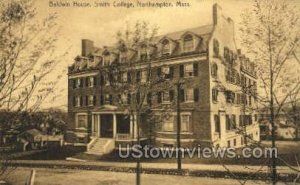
87,47
216,13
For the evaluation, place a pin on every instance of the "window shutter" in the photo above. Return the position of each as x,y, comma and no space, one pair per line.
101,100
74,101
171,72
159,97
195,68
81,101
149,99
94,100
81,82
95,81
182,95
110,99
86,100
171,95
101,80
138,98
181,71
196,95
159,72
129,98
128,77
74,83
87,82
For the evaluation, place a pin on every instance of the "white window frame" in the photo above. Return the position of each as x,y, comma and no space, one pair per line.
189,70
91,81
77,101
184,123
168,124
77,120
143,76
189,95
91,100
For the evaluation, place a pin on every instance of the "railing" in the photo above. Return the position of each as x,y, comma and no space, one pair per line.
120,137
91,144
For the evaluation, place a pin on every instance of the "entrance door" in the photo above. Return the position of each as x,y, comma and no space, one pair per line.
106,125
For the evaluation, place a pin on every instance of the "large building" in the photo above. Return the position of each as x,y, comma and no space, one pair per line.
216,98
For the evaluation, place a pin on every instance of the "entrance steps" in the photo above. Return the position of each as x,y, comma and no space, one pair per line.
100,146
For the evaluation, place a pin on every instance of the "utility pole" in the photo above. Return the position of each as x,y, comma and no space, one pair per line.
273,159
178,127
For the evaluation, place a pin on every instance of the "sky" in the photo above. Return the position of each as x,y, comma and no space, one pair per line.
101,24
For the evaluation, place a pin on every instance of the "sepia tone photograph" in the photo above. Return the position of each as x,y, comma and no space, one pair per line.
149,92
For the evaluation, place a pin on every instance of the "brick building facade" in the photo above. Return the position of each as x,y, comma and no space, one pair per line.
218,91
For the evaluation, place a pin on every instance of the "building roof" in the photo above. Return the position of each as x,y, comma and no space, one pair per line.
32,132
199,31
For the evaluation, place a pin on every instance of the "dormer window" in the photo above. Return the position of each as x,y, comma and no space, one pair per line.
143,53
106,59
188,43
166,47
123,57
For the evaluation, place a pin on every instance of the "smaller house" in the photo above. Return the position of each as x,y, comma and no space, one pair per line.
32,139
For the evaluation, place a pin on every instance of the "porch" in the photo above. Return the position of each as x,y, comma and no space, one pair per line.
113,125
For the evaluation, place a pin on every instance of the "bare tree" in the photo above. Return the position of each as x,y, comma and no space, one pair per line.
27,57
270,35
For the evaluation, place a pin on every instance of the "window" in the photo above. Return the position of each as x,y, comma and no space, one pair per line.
166,47
168,123
217,123
108,99
166,97
227,122
185,121
123,57
81,121
124,77
143,53
188,43
233,121
106,59
188,71
79,101
216,47
144,77
168,72
92,100
215,93
189,96
158,72
214,70
91,81
234,142
79,82
182,95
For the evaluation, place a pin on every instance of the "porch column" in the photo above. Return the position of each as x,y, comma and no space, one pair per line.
131,127
93,126
99,128
114,125
135,127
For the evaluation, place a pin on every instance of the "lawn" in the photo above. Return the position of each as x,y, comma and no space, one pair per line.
287,150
